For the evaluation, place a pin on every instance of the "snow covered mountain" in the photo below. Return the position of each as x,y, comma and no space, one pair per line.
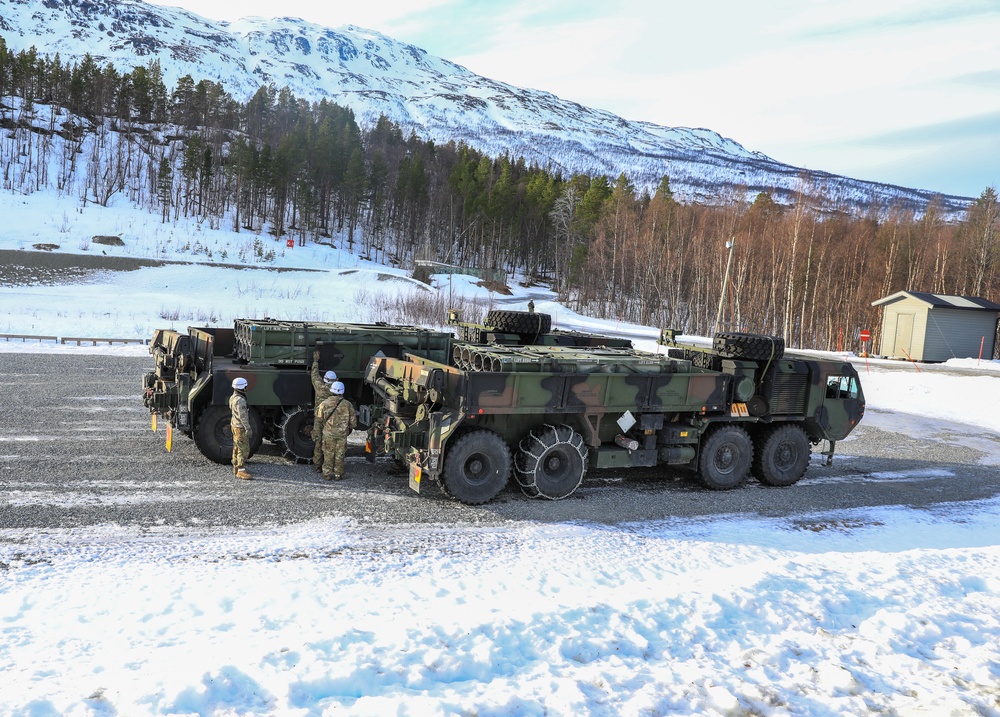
440,100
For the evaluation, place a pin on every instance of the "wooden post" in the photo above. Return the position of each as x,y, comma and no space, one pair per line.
725,283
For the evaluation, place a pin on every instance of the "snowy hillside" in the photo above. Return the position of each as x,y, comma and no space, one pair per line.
440,100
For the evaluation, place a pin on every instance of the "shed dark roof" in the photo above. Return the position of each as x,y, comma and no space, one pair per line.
942,301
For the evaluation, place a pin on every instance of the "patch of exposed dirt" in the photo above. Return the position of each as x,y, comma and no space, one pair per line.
108,240
496,287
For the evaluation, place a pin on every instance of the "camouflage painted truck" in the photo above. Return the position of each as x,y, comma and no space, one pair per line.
548,414
192,380
191,383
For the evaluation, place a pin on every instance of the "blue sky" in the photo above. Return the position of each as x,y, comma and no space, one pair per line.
899,91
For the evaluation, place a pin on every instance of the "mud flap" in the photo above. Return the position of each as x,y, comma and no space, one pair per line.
416,473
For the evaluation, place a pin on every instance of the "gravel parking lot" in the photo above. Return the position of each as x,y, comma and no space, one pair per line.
76,449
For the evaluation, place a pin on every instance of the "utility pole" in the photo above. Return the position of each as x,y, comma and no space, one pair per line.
725,283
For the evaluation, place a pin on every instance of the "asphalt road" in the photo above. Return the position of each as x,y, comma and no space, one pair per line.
76,450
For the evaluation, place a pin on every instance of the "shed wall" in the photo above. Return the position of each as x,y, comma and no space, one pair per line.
954,333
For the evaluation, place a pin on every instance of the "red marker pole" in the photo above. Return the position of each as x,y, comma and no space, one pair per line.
981,342
911,360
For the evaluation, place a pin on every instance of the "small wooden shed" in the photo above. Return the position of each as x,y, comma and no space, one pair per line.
935,327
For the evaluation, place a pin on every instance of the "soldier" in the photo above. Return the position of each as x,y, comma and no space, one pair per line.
338,419
240,423
321,385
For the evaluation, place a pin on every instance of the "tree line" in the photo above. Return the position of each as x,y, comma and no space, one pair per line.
281,166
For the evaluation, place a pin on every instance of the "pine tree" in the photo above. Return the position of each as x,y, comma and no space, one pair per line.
164,188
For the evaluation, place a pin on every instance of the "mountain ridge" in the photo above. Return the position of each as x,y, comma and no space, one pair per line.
437,99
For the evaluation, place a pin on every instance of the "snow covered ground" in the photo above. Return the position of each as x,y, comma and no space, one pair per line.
879,611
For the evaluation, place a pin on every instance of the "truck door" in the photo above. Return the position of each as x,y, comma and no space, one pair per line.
843,406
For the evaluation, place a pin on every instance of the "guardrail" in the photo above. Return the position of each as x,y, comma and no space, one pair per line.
25,337
79,340
94,342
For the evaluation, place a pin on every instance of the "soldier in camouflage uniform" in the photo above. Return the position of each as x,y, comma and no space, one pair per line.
240,423
321,386
338,418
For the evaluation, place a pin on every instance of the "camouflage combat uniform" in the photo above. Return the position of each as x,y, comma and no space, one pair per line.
338,418
240,423
322,389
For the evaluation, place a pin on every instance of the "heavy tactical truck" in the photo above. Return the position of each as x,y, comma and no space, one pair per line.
192,380
191,383
549,413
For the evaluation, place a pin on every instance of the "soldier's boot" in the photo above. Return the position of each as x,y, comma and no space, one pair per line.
327,476
242,473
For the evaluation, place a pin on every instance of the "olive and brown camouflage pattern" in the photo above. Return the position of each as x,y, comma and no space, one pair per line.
345,348
338,419
194,371
240,424
665,404
322,390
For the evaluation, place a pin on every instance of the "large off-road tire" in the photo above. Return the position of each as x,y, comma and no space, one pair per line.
726,455
781,455
476,467
750,347
294,434
551,462
528,325
214,437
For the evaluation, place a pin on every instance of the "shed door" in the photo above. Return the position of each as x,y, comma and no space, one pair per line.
904,334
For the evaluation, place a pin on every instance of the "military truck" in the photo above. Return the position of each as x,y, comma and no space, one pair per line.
546,414
192,380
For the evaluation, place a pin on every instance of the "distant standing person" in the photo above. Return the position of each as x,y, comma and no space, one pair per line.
240,423
321,386
338,419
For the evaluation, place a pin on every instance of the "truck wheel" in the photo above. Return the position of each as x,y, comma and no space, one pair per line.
551,462
214,437
781,456
476,467
751,347
524,323
726,454
294,434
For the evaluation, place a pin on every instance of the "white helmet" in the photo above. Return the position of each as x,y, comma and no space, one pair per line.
239,383
329,377
337,389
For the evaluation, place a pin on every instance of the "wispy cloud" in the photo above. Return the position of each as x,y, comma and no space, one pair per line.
889,17
964,131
